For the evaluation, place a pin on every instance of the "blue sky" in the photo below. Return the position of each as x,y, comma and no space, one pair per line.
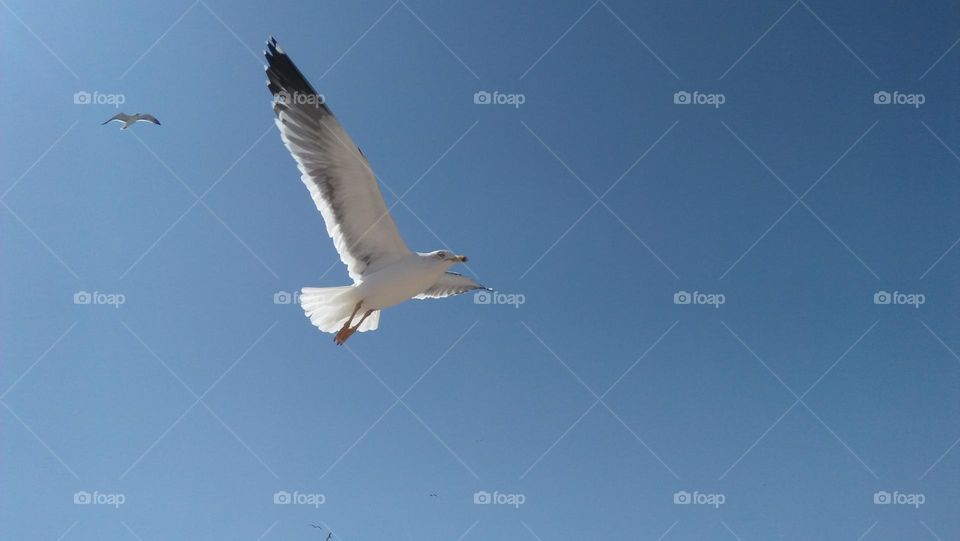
812,230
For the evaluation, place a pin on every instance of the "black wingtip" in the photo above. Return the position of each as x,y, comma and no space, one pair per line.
284,76
273,48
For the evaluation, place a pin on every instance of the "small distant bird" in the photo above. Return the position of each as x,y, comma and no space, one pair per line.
432,495
385,272
315,526
129,120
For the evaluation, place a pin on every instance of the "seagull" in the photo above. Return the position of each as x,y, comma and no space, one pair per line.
344,188
129,120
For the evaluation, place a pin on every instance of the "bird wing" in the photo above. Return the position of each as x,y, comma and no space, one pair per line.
146,117
334,170
122,117
450,284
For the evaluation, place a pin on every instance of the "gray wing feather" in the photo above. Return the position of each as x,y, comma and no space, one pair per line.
119,116
450,284
146,117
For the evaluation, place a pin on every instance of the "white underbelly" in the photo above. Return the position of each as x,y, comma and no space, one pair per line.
394,285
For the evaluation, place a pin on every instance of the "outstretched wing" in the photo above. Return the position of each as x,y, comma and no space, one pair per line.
119,116
334,170
450,284
146,117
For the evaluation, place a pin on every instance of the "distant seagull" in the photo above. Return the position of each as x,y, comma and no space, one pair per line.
315,526
129,120
432,494
384,271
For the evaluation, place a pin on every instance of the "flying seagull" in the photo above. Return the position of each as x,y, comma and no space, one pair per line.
129,120
384,271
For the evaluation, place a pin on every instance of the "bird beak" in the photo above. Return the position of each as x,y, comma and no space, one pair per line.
461,258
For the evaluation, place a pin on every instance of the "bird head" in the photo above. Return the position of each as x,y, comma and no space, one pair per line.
447,256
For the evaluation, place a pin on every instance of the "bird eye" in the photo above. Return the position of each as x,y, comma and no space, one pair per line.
440,255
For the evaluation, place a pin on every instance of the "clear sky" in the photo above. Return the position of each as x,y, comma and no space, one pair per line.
782,194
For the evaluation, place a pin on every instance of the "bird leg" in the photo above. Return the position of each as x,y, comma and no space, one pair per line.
365,315
346,331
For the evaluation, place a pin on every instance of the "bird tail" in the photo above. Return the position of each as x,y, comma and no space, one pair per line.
330,307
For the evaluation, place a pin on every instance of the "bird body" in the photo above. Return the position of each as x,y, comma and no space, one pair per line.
409,277
129,120
346,192
403,280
